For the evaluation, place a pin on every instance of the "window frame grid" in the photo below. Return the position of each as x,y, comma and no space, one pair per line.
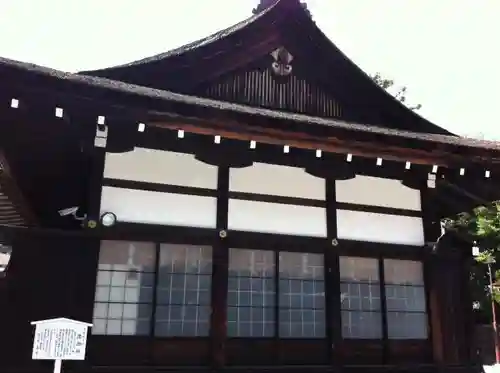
183,305
423,311
123,303
278,307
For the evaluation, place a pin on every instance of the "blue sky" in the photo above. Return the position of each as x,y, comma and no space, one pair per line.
446,52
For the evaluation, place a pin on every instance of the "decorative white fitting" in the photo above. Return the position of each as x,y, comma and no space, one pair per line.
462,171
408,165
59,112
379,161
253,144
180,134
487,174
101,136
141,127
217,139
349,157
286,149
14,103
318,153
223,233
431,181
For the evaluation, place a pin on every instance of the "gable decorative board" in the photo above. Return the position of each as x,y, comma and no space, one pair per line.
273,82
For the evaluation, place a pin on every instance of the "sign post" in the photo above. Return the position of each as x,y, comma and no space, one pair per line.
59,339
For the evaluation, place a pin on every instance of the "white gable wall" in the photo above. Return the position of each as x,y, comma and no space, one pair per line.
160,167
266,217
171,168
375,191
376,227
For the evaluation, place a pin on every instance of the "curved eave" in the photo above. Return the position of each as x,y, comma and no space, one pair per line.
144,100
367,85
296,17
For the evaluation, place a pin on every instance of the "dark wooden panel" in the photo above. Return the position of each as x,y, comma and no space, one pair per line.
181,352
118,350
361,352
303,352
409,351
251,351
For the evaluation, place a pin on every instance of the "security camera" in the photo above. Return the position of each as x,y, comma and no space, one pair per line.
68,211
72,211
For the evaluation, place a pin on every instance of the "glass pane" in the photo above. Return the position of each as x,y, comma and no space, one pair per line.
301,265
251,293
360,296
302,324
403,272
123,255
354,269
182,321
98,326
405,298
361,325
258,263
185,259
402,325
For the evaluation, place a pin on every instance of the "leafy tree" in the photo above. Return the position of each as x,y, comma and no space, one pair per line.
389,85
482,227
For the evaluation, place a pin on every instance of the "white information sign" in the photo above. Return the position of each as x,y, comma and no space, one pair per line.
59,339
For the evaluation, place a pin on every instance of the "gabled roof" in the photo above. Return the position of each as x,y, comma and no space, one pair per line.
284,23
155,103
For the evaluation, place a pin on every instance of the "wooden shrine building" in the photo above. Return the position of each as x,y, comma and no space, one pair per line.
251,201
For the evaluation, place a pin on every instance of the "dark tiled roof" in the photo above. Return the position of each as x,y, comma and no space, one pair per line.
191,46
167,96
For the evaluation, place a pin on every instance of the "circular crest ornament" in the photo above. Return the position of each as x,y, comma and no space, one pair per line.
335,242
222,233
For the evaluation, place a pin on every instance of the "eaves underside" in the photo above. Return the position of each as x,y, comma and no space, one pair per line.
144,101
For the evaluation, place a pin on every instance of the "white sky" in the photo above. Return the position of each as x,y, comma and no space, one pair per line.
446,52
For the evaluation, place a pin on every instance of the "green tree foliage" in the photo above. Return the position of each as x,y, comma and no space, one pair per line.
399,92
481,227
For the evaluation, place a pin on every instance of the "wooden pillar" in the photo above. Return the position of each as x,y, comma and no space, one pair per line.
218,330
332,279
432,231
446,304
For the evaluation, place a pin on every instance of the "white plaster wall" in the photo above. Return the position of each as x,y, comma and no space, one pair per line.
264,217
374,191
268,179
384,228
161,167
139,206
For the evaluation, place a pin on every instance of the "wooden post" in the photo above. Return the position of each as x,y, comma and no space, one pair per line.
218,328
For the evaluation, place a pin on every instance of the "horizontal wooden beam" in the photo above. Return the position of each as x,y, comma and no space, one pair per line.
246,132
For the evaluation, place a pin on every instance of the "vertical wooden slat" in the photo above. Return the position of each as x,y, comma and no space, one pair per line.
261,87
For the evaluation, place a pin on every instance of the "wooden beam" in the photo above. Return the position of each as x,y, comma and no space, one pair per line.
246,132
